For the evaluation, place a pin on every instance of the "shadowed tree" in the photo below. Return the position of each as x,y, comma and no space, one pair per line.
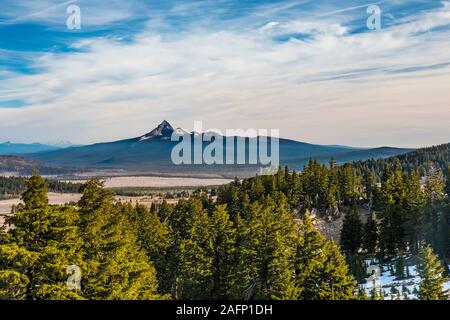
351,233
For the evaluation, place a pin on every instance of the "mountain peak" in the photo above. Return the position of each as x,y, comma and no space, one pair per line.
165,123
164,130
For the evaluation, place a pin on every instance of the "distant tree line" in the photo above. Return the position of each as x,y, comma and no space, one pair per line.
15,186
419,160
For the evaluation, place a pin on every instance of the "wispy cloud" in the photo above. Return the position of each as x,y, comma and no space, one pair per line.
53,12
348,9
39,13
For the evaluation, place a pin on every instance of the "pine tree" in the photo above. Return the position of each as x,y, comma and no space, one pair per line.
295,190
156,238
445,223
35,195
337,283
178,219
351,233
446,273
196,256
362,294
400,268
357,267
447,182
224,242
381,295
266,248
374,294
393,215
310,259
110,241
164,211
368,181
281,243
4,236
316,182
333,195
245,205
370,235
320,268
393,293
405,296
431,280
351,186
413,204
257,190
434,215
44,242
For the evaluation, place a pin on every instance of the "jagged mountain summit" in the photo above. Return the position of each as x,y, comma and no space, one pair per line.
163,131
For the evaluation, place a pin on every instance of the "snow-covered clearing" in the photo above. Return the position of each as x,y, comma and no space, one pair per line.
407,287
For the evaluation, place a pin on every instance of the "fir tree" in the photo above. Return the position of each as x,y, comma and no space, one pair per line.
393,215
109,241
224,242
431,280
370,235
393,293
400,268
196,257
434,215
362,294
413,204
337,283
267,249
156,238
447,181
351,186
35,195
351,233
321,269
356,267
44,242
368,181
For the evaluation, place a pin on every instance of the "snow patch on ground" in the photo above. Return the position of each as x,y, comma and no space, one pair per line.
387,280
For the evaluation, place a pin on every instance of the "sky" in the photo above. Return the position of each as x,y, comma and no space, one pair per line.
312,69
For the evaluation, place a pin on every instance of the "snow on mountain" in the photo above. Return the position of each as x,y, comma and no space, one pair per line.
163,131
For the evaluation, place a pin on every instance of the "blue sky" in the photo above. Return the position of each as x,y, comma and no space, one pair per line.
310,68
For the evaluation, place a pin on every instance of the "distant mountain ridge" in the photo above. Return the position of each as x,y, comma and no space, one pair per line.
150,154
10,148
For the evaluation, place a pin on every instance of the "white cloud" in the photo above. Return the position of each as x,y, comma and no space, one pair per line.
269,26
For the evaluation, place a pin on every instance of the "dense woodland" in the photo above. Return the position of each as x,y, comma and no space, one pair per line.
250,239
15,186
419,160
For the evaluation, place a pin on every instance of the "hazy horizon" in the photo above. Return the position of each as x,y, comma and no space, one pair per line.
66,143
